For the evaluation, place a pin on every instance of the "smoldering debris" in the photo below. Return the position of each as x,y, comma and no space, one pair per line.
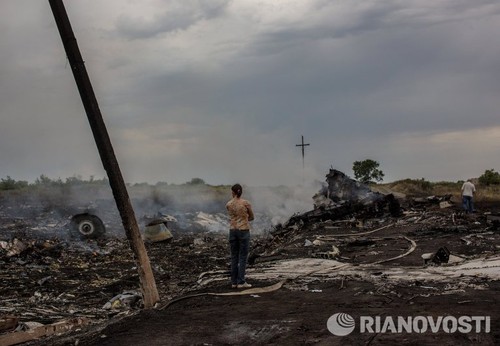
343,190
97,279
348,215
32,248
361,236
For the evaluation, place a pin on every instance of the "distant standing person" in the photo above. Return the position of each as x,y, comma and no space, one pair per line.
468,191
240,214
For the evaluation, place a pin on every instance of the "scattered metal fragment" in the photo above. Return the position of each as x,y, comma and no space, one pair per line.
157,231
442,255
127,299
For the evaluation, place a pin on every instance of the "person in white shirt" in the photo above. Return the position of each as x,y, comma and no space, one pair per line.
468,191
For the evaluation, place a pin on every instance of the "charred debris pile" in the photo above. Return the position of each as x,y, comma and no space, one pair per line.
65,283
59,285
352,222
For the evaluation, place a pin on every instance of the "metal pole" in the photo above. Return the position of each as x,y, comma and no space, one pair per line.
106,153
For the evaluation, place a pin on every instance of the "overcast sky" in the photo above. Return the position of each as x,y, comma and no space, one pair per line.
223,90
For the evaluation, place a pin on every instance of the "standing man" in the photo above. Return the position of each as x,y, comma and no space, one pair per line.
240,213
468,190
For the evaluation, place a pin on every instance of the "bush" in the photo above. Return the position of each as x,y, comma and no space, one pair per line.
490,177
196,181
10,184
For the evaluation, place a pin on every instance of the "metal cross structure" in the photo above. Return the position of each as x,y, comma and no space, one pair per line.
303,153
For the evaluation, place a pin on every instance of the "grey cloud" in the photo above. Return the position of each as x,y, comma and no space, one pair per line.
328,71
359,81
387,15
176,15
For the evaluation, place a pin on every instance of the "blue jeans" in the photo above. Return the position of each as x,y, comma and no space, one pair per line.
468,204
240,242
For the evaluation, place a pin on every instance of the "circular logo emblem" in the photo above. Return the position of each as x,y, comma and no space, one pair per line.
340,324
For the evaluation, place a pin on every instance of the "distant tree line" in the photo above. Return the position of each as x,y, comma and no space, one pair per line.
9,183
194,181
367,171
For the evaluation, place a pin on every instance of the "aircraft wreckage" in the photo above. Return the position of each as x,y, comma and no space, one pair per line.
355,245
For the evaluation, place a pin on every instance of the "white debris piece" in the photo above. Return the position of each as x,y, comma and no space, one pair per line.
126,299
212,222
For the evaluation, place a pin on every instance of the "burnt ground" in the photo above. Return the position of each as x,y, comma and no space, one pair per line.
54,279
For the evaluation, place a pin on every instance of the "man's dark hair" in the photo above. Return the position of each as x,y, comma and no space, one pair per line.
237,189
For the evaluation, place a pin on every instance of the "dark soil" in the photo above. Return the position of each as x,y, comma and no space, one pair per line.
288,317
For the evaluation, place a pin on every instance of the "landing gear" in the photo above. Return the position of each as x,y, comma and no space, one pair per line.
87,226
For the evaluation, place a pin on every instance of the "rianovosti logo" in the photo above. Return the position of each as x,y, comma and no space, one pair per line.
342,324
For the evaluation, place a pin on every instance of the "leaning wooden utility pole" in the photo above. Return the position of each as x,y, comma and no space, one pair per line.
107,154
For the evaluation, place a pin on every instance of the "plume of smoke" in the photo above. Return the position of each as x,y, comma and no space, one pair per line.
280,203
46,212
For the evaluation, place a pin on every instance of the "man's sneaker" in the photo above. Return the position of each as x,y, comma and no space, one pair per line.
244,285
234,286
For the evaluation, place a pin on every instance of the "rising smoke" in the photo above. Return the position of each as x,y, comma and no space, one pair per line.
47,211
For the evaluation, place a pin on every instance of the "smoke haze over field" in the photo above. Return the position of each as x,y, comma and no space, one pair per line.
223,90
48,209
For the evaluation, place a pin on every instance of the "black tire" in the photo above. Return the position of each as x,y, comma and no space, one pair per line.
87,226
